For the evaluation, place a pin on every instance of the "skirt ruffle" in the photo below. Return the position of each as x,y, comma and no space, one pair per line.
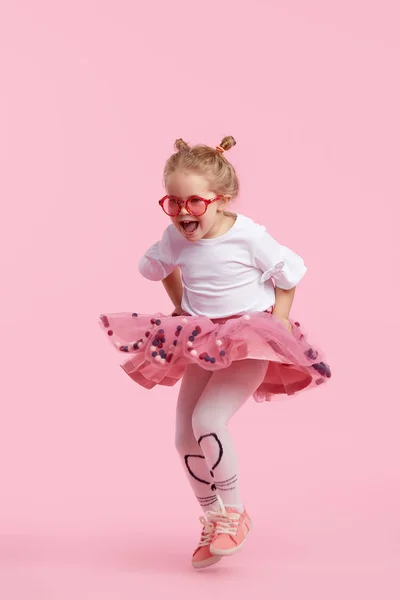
160,347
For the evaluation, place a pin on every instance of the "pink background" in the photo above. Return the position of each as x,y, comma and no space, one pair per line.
94,502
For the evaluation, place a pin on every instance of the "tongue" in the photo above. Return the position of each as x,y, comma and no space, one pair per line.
190,227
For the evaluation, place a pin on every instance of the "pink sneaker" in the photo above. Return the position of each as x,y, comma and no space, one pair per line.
202,556
231,531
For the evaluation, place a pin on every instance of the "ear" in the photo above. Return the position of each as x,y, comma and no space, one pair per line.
224,201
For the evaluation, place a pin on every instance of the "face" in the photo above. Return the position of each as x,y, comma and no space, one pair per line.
184,184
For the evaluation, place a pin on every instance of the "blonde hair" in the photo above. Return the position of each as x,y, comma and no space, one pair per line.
208,162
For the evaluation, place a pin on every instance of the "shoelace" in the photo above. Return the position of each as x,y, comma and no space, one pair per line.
224,522
208,532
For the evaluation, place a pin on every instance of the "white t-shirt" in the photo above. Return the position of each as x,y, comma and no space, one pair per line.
227,275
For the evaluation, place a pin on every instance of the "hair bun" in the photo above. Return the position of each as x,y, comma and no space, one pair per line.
228,142
181,146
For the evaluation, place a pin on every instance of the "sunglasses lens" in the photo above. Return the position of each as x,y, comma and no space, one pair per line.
197,206
171,206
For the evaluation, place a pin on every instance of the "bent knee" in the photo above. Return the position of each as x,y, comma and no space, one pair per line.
184,440
204,423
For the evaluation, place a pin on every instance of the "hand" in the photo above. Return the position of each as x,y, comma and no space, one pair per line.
285,322
177,311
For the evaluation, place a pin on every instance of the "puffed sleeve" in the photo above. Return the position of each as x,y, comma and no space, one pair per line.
285,266
157,262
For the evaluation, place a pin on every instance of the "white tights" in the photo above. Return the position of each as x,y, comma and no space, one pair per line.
206,402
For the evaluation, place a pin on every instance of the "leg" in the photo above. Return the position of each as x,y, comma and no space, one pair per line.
194,381
226,391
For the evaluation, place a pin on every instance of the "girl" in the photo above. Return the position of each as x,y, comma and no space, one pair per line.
229,337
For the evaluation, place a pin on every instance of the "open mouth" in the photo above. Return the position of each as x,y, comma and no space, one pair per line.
189,226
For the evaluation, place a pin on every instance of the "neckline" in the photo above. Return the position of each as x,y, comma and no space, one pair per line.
224,235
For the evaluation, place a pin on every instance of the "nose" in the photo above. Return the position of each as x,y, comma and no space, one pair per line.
183,210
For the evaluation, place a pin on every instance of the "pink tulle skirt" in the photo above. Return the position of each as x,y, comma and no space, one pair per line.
160,347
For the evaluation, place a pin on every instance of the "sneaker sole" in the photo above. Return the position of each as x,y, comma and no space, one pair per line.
208,562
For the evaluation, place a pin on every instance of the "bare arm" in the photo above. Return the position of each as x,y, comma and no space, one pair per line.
283,302
174,288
